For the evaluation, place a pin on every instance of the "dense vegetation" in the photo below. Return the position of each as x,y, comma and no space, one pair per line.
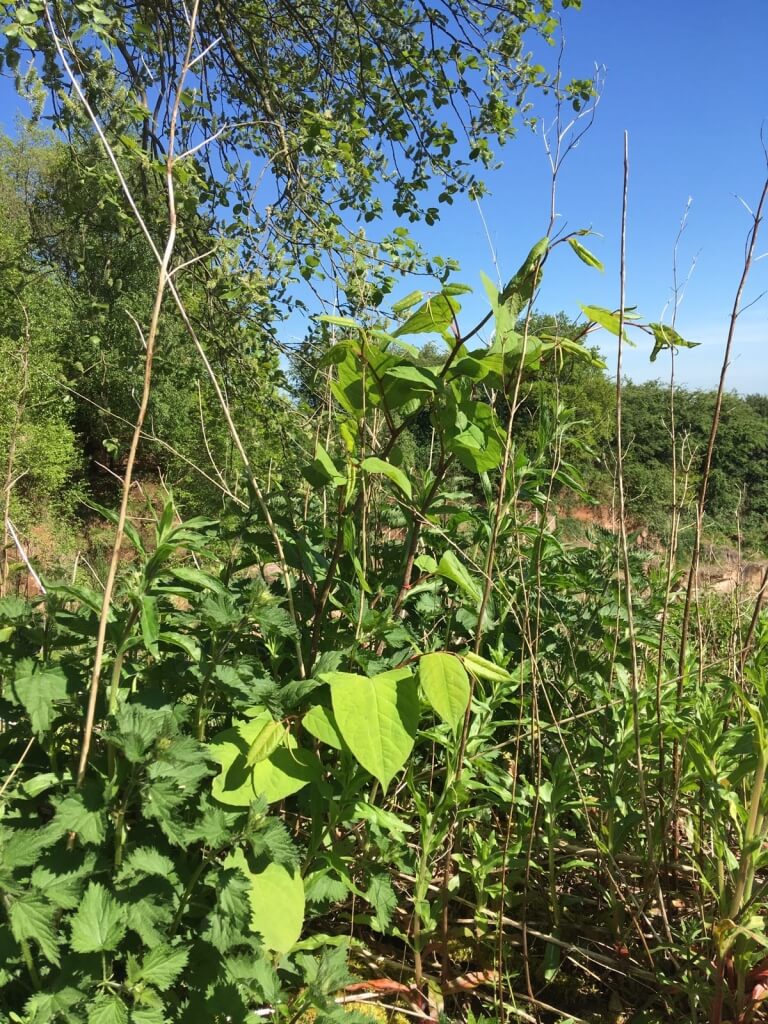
340,722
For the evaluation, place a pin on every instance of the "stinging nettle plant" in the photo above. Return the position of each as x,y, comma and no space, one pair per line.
377,731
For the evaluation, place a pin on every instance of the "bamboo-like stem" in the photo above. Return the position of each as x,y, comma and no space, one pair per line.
151,338
18,414
173,290
635,673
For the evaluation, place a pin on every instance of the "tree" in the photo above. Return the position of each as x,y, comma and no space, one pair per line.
303,118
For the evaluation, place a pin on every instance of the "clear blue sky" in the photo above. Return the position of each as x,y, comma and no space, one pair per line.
687,80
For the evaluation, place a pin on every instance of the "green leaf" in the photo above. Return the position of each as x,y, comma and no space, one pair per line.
519,290
452,569
667,337
377,718
287,770
584,254
481,668
108,1010
150,623
436,315
323,471
408,302
397,476
605,318
31,918
446,686
186,643
320,723
340,321
277,903
266,742
47,1006
83,813
162,965
39,690
197,578
382,898
99,924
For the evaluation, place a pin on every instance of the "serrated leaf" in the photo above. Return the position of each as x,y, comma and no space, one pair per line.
162,966
146,861
108,1010
39,690
45,1006
31,918
377,718
446,686
83,813
99,924
381,896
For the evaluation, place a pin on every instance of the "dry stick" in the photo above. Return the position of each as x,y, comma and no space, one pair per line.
622,505
9,481
747,645
162,283
695,556
226,411
675,520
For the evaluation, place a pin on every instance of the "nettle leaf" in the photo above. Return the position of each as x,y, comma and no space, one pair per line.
146,861
162,966
108,1010
148,1015
397,476
99,924
39,690
21,848
83,813
31,918
45,1006
377,718
277,903
62,891
446,686
382,898
148,917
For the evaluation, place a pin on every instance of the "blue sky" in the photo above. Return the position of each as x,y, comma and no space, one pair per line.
686,80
